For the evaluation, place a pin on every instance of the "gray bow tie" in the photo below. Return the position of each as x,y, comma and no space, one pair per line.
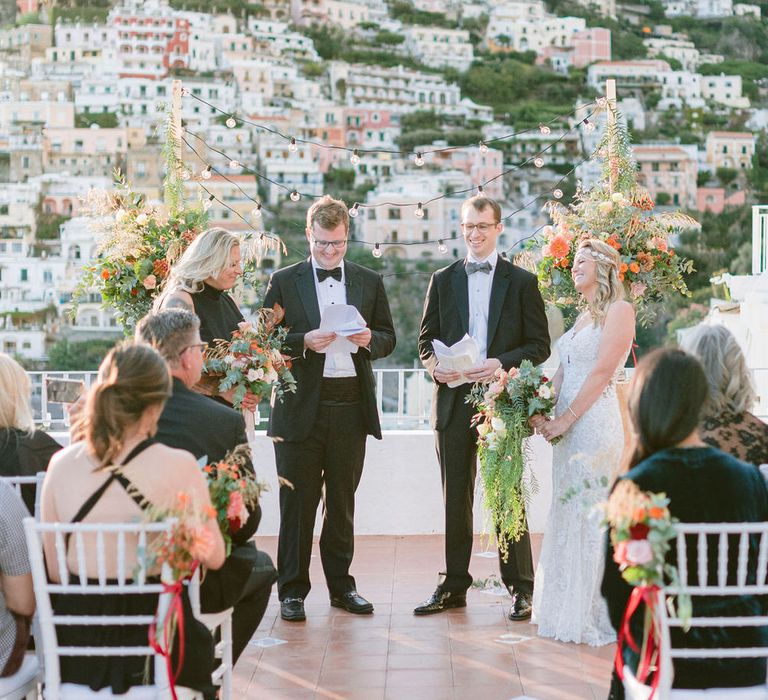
478,267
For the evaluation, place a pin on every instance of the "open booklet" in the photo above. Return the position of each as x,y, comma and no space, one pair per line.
460,357
343,320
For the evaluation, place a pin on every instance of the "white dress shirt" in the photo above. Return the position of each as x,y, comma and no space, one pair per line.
479,291
330,291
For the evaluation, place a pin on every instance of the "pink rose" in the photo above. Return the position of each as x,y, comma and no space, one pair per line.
150,282
202,543
639,552
620,552
237,513
637,289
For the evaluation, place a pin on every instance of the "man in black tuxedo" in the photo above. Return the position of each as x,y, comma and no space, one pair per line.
500,306
320,431
207,428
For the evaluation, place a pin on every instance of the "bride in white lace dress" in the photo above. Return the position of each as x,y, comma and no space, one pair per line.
567,604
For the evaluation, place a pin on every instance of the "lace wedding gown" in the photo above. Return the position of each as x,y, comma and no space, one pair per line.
567,604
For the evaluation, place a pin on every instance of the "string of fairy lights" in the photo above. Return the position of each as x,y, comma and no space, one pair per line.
209,168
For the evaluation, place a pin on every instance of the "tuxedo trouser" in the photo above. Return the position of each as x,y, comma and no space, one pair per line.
328,463
456,447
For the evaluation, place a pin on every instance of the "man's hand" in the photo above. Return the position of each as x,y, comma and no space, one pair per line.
484,372
250,401
361,339
318,340
444,375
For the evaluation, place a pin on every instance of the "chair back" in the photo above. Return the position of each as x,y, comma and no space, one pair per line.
37,481
132,578
714,559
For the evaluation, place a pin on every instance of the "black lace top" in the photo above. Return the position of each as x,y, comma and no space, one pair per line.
217,312
744,436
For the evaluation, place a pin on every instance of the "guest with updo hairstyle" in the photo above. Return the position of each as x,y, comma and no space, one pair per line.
199,281
726,420
112,473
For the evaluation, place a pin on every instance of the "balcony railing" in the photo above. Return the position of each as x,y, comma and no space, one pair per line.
403,396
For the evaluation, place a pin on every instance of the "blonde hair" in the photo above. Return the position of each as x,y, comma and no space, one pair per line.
131,378
609,286
328,213
207,256
15,395
731,387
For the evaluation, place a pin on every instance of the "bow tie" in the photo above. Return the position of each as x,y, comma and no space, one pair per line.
478,267
323,275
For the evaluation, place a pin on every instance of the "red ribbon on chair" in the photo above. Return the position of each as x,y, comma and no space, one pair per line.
175,613
651,643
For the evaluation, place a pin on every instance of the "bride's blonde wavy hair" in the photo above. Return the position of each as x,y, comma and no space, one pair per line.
207,256
609,286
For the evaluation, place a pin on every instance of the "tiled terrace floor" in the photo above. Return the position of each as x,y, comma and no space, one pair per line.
467,654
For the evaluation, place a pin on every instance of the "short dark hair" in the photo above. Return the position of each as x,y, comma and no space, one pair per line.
666,396
481,202
168,331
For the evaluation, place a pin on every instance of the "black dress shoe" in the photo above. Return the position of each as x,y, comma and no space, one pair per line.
441,600
352,602
521,607
292,609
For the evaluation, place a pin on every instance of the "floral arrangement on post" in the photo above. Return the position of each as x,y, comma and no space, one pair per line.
617,211
641,528
234,491
253,360
504,407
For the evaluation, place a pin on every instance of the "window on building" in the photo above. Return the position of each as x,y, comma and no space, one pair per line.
393,236
47,276
655,167
24,275
394,214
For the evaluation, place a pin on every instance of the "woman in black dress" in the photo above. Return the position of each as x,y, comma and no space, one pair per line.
703,485
199,282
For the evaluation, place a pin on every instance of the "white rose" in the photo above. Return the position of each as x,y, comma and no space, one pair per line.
605,207
271,376
498,424
244,326
618,197
142,219
254,375
639,552
545,392
483,429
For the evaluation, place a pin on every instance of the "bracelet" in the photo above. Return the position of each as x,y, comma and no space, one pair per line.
573,413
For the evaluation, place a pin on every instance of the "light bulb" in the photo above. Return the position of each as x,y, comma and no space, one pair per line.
588,125
545,130
441,247
419,213
208,203
295,196
231,122
483,147
185,174
355,157
354,210
292,146
234,164
206,174
538,162
480,189
418,161
256,211
557,194
376,251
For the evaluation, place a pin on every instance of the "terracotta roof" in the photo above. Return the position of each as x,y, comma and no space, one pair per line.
732,134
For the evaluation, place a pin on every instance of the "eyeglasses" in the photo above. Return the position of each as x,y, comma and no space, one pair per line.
482,228
201,346
324,245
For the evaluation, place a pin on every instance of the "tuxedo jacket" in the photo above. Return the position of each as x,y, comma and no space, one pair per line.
293,288
517,324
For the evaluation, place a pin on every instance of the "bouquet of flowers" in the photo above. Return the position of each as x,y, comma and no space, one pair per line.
616,211
504,407
253,360
641,528
234,490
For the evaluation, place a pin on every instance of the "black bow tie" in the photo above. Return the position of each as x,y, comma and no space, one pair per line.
323,275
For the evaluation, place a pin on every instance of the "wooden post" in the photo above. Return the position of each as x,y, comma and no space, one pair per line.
176,121
610,95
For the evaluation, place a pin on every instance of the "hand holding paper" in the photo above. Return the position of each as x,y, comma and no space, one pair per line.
460,357
344,320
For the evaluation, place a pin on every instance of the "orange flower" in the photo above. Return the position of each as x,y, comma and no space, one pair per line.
210,511
105,274
634,267
559,246
639,514
645,260
624,267
208,469
613,242
656,512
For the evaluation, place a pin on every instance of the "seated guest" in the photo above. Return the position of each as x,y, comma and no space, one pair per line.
210,429
17,599
727,422
703,484
24,451
115,429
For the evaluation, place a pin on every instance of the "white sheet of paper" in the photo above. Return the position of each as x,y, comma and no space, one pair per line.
343,320
460,357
